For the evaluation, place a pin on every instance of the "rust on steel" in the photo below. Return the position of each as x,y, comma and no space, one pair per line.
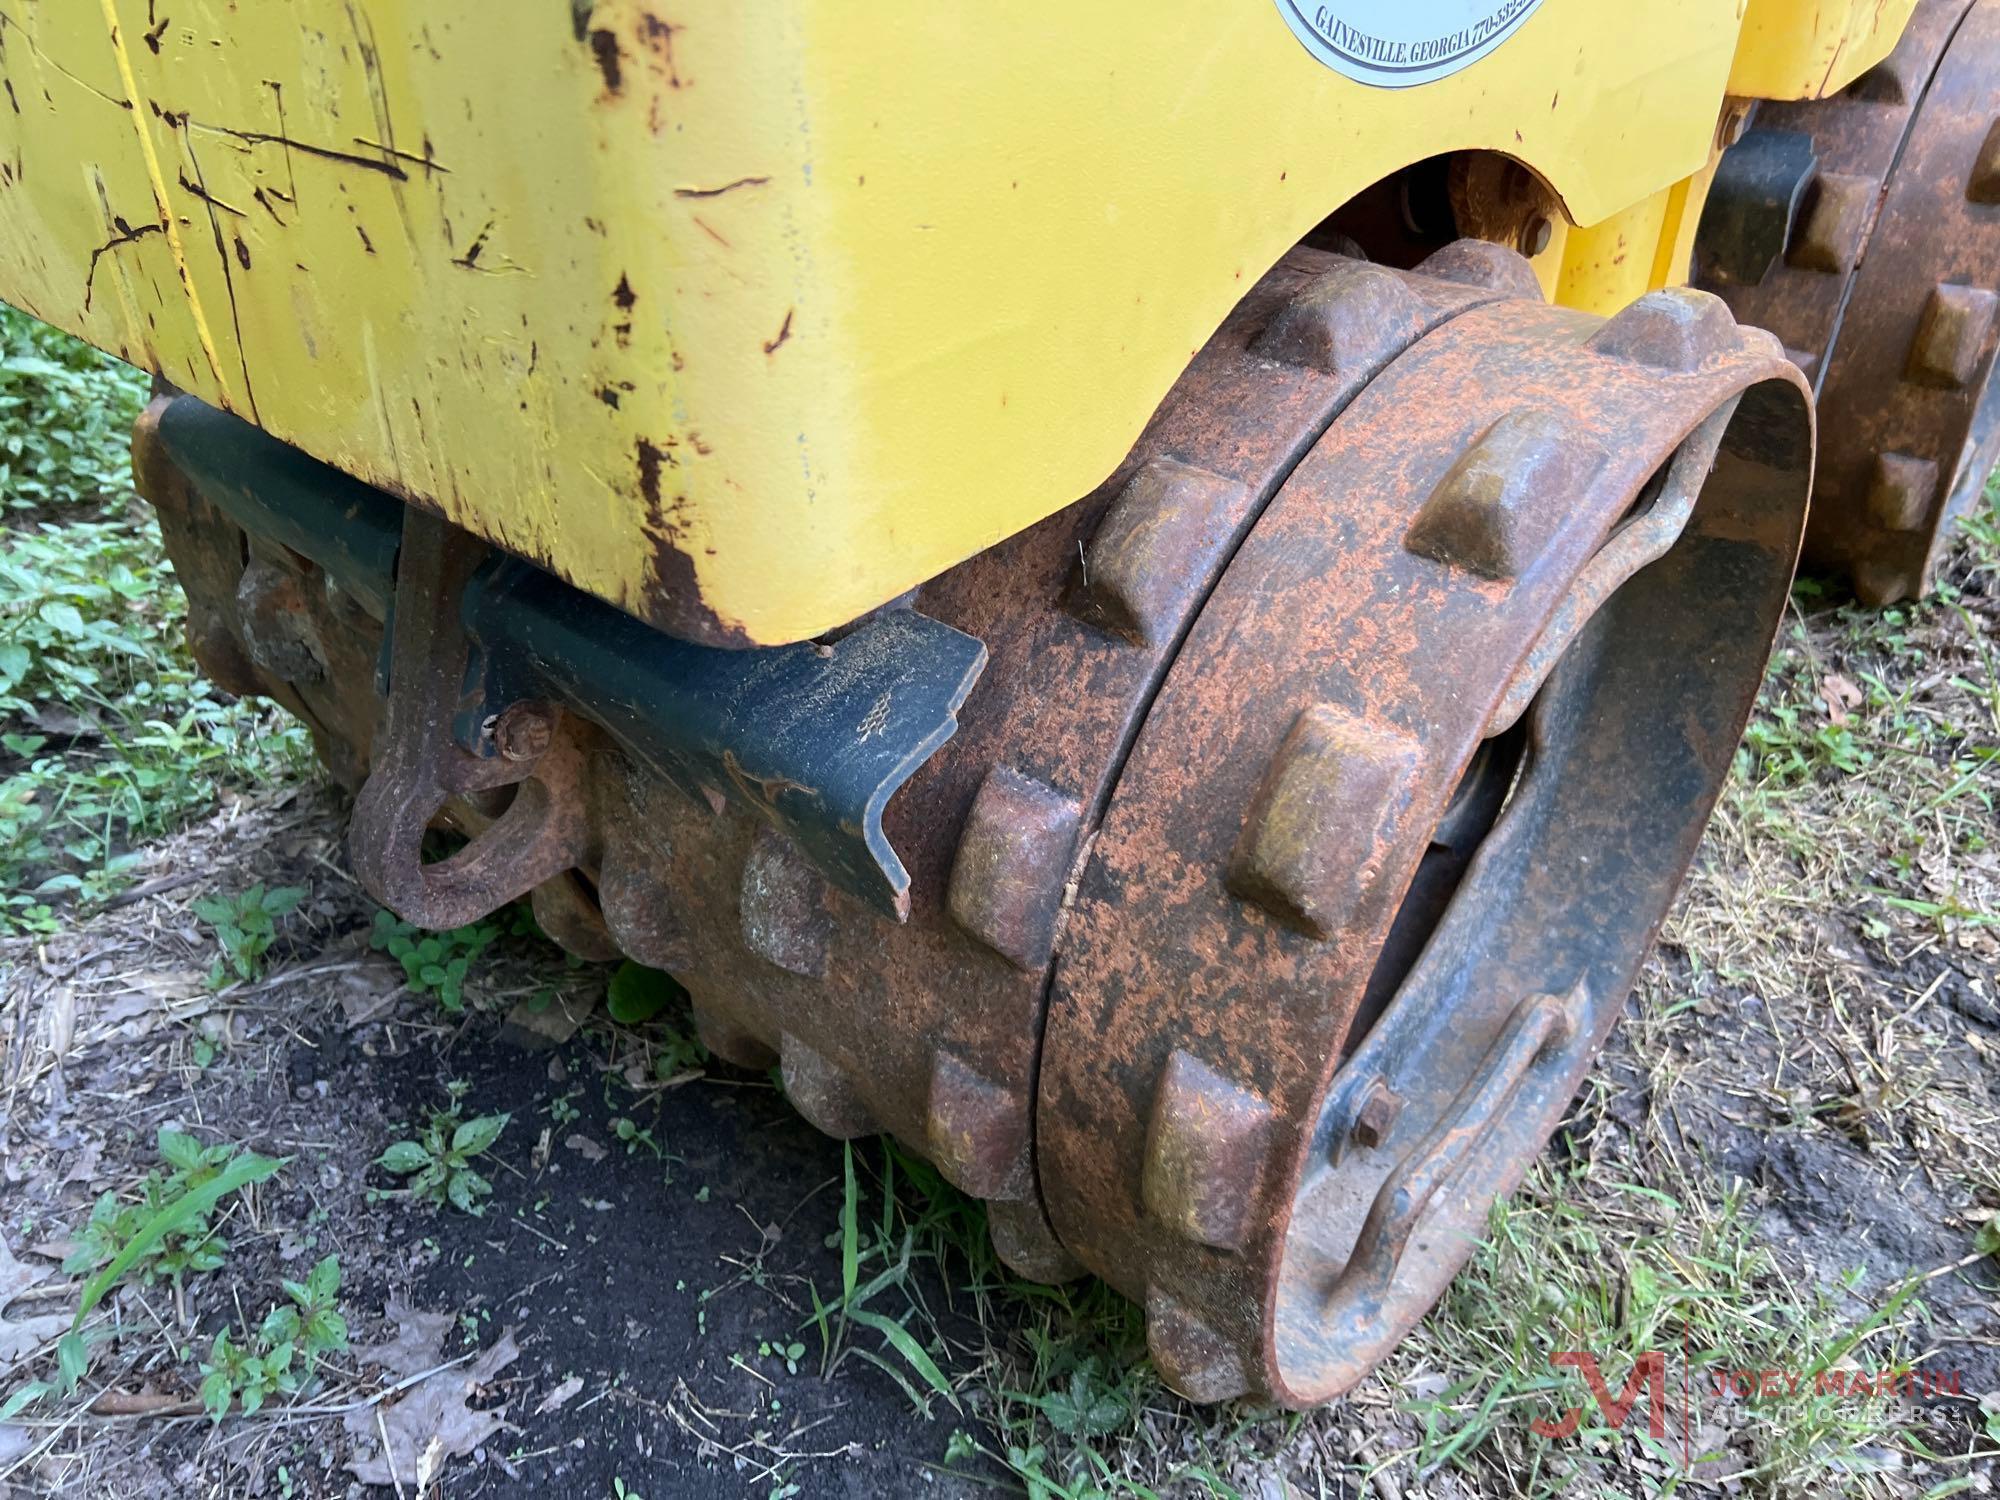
1888,296
331,696
931,1030
1911,401
1204,808
1857,135
543,832
1215,1135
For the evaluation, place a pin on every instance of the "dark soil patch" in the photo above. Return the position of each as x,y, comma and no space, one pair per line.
661,1286
670,1277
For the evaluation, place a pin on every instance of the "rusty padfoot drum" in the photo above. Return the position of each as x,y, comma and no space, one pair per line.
1885,204
1317,784
1404,818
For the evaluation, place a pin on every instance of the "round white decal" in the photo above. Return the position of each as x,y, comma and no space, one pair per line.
1395,44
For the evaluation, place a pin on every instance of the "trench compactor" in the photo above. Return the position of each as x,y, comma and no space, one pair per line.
646,440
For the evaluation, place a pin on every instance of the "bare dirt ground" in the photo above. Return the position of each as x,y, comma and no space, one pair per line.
1782,1178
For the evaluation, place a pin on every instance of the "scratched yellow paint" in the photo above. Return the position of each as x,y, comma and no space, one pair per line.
1807,49
1636,250
749,317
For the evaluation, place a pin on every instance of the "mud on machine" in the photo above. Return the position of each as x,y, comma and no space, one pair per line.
650,449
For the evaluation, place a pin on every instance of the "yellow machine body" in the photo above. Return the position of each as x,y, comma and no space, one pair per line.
748,318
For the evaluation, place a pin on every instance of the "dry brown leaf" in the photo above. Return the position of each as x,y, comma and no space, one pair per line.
1839,693
560,1397
166,986
17,1276
368,992
149,1001
20,1337
417,1346
82,1165
428,1424
60,1018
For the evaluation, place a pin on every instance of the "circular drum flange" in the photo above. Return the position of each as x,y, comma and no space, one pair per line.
1884,294
1436,754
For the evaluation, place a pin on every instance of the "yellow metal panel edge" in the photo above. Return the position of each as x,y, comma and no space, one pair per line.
1191,209
793,313
1809,49
1647,246
82,241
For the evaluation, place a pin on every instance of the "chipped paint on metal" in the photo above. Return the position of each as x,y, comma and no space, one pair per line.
849,289
1812,49
167,222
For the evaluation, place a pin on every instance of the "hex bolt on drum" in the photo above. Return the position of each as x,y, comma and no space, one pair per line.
1864,230
1229,879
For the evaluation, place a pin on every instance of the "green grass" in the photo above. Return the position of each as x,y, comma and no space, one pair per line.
1054,1386
108,738
1618,1269
1052,1382
1869,773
